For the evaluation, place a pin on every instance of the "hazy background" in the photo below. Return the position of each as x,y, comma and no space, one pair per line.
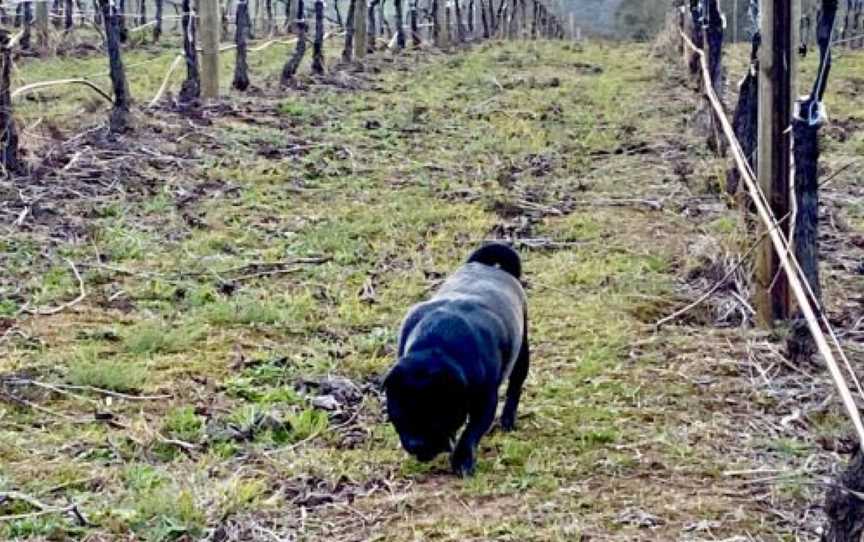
641,19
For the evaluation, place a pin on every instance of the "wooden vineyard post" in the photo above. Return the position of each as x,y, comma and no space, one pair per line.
447,22
190,91
360,9
777,67
67,16
293,63
318,40
416,40
42,32
400,24
9,134
27,23
157,27
348,47
120,116
460,29
209,13
241,36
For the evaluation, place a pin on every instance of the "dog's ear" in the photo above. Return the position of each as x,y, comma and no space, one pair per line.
451,377
394,377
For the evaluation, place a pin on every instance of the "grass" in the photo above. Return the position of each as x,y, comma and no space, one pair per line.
88,368
394,188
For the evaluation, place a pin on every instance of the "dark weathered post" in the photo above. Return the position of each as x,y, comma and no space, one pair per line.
269,27
416,40
67,15
293,63
348,50
746,117
400,25
9,135
120,120
439,24
372,30
124,32
809,118
714,41
42,32
318,42
460,28
360,18
157,27
190,91
27,23
241,35
484,21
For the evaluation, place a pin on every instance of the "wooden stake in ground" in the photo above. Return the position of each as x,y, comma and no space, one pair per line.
27,23
120,6
714,42
359,29
43,39
241,34
416,40
157,28
67,15
9,134
209,17
400,25
318,42
371,30
293,63
460,28
191,89
120,115
776,65
448,22
439,28
348,50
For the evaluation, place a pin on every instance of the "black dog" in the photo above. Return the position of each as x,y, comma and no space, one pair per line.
454,352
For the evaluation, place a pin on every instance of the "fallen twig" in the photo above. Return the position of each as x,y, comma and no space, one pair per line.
42,508
60,308
65,389
43,84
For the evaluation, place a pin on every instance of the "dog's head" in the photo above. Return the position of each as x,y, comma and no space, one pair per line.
427,402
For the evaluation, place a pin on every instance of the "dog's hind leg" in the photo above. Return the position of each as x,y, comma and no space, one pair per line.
514,386
480,419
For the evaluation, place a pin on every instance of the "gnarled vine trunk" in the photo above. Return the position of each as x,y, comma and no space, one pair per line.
241,34
293,63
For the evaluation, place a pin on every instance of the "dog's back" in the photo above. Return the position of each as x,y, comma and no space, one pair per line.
482,300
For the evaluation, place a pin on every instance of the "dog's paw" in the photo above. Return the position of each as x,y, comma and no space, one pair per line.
508,422
463,462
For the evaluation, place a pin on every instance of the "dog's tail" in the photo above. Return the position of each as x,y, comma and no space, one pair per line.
498,255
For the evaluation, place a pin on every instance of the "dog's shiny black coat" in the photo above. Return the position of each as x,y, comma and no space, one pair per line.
455,350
